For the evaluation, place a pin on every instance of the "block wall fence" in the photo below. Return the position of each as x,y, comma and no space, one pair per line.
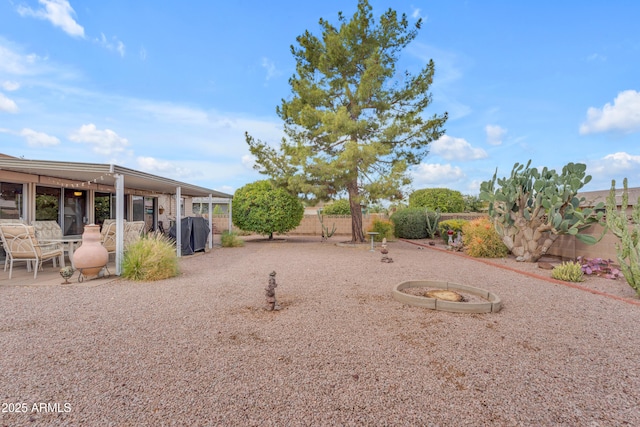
565,247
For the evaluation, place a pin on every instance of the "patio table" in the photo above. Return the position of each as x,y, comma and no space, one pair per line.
69,242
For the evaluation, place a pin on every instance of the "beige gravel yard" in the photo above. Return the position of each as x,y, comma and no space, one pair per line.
200,350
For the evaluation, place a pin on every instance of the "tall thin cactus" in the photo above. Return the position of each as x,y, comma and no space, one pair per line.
325,230
432,223
628,250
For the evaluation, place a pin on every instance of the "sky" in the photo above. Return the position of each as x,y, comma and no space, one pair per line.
170,88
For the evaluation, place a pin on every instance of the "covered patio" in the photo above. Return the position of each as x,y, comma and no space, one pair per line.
81,187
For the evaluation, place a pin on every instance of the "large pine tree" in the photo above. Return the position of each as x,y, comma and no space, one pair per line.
354,124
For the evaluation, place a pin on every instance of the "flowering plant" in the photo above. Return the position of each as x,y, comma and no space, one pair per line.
599,267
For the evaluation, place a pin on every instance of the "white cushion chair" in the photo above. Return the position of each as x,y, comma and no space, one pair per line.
108,235
49,230
133,231
21,244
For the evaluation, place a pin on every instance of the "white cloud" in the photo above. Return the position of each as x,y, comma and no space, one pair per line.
104,142
435,174
450,148
622,116
163,168
15,63
7,105
112,44
248,161
58,12
270,67
614,166
38,139
495,134
166,112
622,161
417,14
10,86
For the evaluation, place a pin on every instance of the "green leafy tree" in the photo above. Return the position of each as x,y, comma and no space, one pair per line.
354,124
473,203
339,207
531,208
441,199
265,209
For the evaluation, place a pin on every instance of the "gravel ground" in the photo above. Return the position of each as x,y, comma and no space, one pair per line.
200,350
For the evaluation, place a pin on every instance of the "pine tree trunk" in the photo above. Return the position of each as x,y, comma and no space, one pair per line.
357,234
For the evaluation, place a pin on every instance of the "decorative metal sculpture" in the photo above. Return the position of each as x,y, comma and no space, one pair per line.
66,273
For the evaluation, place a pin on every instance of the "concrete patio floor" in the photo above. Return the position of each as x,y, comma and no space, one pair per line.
49,276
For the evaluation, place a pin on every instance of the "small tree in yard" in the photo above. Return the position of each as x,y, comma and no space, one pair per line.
531,208
265,209
441,199
354,124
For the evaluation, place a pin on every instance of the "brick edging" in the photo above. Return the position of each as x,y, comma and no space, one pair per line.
526,273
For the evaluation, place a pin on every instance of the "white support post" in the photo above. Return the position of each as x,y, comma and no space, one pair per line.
178,222
119,222
210,221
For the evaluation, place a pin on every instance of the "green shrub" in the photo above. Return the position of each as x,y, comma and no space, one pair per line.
265,209
152,257
410,223
339,207
383,227
481,239
568,271
230,239
441,199
450,224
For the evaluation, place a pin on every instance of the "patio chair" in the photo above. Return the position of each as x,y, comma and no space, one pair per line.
2,252
108,235
133,231
49,230
20,244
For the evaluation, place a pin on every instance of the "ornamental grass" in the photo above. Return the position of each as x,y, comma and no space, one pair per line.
151,258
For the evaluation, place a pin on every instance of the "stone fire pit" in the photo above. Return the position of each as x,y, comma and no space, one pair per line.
483,301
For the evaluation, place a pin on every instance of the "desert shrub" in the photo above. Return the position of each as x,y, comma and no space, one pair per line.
569,272
442,199
230,239
482,240
383,227
152,257
450,224
410,223
339,207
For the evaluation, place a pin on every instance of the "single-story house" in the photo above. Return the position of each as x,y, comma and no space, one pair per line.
75,194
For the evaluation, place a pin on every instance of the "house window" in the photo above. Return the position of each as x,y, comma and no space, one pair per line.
11,201
48,203
105,207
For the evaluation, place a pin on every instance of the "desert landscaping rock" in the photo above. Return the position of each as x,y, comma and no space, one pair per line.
199,349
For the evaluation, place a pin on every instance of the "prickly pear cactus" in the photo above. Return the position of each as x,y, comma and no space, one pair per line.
628,250
531,208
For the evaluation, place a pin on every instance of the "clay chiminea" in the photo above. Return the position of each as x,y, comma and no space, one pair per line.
91,256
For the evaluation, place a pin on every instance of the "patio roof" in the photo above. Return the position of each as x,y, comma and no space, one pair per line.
105,174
